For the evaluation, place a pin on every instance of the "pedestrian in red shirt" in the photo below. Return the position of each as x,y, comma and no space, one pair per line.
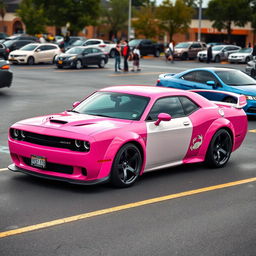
126,54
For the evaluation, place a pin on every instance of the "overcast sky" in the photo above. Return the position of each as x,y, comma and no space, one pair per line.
205,2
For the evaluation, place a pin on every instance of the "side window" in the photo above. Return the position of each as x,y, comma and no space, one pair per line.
188,105
1,46
42,48
169,105
189,76
88,50
204,76
95,50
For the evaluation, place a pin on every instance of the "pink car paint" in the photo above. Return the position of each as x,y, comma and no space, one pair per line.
107,135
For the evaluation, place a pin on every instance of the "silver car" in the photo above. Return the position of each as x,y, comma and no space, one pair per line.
242,56
219,52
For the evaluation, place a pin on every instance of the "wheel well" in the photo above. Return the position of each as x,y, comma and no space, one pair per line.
138,145
229,131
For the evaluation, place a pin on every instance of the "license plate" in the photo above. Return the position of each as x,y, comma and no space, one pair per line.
60,62
38,161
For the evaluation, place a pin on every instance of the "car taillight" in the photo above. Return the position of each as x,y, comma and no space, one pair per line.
5,67
102,45
7,50
158,81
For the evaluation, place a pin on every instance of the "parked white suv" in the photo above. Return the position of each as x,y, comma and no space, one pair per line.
35,53
219,52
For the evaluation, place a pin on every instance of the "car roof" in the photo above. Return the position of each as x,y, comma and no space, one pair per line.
210,69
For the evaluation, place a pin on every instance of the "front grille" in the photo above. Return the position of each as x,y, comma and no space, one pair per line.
251,110
60,168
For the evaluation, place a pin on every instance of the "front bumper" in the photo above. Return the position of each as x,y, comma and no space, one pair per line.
250,108
17,60
14,168
65,63
236,60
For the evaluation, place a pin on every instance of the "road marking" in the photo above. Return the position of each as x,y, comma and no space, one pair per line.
254,131
4,149
3,169
121,208
137,74
34,67
80,70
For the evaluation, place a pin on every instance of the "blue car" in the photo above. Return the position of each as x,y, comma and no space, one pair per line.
221,79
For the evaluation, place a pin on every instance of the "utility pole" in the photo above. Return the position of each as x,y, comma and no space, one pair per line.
199,20
129,19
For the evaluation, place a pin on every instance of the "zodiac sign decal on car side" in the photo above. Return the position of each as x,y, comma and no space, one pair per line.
196,142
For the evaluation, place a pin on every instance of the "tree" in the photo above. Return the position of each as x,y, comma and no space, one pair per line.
174,18
2,12
145,17
115,14
226,13
32,16
77,13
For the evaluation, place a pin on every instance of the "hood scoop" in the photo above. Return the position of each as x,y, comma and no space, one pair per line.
58,121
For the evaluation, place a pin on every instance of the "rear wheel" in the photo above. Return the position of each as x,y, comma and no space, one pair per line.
157,53
253,73
112,53
102,63
217,58
220,149
30,60
247,59
126,166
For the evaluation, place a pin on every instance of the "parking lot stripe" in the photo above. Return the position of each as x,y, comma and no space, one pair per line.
254,130
121,208
80,70
137,74
3,169
34,67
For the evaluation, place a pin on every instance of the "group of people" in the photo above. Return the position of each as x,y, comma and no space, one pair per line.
128,55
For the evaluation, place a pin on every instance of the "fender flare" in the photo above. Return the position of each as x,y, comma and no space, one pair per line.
115,146
218,124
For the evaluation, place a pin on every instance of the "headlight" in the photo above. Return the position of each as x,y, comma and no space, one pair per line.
81,145
248,97
72,58
17,134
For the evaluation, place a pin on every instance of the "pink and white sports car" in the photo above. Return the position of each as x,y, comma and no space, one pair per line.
118,133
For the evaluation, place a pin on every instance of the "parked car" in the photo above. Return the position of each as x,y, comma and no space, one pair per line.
11,45
3,35
3,52
5,74
219,52
118,133
72,39
80,57
147,47
35,53
250,68
188,50
223,79
22,37
242,56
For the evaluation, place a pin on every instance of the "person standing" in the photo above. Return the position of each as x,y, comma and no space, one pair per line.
209,54
171,51
117,52
136,59
126,54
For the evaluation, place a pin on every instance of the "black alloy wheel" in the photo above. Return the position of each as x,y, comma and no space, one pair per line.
30,60
220,149
126,166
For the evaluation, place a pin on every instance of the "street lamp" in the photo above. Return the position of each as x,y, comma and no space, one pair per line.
129,19
199,20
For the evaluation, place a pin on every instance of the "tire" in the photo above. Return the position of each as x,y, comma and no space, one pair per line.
247,59
217,59
230,100
102,63
112,54
253,73
31,60
53,60
184,56
219,150
126,166
60,67
157,53
78,64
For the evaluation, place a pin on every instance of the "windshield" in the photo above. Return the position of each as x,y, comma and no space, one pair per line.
182,45
235,78
134,42
113,105
29,47
75,50
78,43
8,43
217,48
245,50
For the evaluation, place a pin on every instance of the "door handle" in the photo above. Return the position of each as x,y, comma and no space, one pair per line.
186,123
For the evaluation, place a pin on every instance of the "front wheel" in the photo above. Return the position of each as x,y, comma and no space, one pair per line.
78,64
126,166
157,53
219,150
30,60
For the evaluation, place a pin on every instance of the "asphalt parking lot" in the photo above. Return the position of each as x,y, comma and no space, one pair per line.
186,210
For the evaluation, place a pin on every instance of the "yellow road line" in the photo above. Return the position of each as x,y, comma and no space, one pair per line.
121,208
137,74
254,130
3,169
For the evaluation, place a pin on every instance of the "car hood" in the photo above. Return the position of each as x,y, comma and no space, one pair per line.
65,55
20,52
74,123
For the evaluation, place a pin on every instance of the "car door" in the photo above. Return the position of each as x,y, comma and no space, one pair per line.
88,60
39,54
50,52
168,142
193,50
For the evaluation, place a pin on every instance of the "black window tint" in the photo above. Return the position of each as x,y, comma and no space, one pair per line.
188,105
204,76
1,46
88,50
169,105
189,76
95,50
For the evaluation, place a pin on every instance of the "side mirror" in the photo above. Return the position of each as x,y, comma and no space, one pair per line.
75,104
162,117
38,50
211,83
